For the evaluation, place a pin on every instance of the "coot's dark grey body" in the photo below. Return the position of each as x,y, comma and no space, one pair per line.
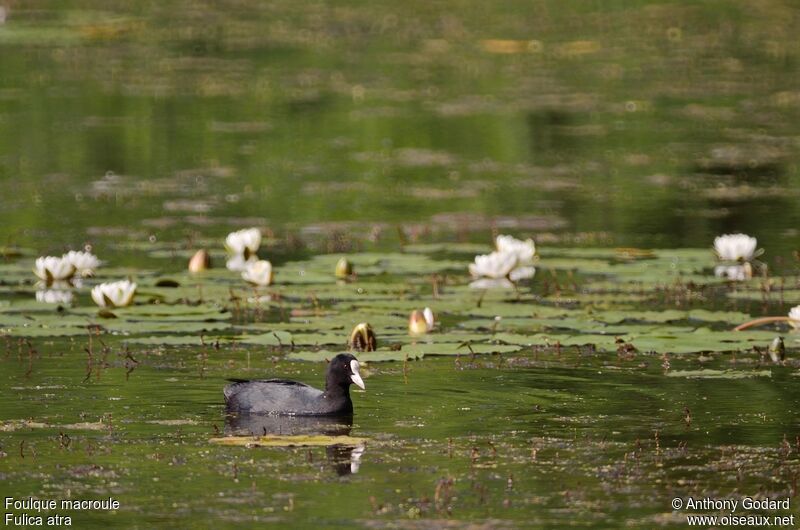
279,396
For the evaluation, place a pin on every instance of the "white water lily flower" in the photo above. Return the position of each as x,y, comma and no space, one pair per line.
736,273
85,263
735,247
243,242
54,296
238,263
258,272
52,269
495,265
794,317
114,294
524,250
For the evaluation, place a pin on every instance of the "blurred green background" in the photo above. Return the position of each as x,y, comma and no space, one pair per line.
617,122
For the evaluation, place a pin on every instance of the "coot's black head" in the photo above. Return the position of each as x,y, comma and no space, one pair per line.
342,372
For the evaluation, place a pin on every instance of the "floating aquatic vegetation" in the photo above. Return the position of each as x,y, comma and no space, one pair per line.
303,440
311,311
718,374
16,425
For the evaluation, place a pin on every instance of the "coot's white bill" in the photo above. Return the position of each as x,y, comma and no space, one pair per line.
356,377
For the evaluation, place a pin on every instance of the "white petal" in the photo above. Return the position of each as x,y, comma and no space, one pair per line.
248,239
97,295
494,265
522,273
84,262
237,263
794,317
735,247
258,272
429,318
492,283
523,250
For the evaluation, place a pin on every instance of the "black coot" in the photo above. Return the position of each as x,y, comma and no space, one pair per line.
279,396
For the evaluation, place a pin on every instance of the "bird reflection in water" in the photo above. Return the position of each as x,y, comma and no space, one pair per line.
343,459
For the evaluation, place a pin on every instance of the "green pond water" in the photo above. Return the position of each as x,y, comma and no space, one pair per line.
403,136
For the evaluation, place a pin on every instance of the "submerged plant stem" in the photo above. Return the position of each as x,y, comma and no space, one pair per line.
760,321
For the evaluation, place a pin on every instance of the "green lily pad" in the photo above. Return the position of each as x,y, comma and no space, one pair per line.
304,440
718,374
271,338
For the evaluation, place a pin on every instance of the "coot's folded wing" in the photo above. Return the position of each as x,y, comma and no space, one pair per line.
238,384
271,395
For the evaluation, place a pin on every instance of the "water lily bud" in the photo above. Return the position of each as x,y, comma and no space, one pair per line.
344,269
362,338
417,324
777,350
200,261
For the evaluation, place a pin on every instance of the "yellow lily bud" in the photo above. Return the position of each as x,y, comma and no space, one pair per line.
362,338
344,268
417,325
